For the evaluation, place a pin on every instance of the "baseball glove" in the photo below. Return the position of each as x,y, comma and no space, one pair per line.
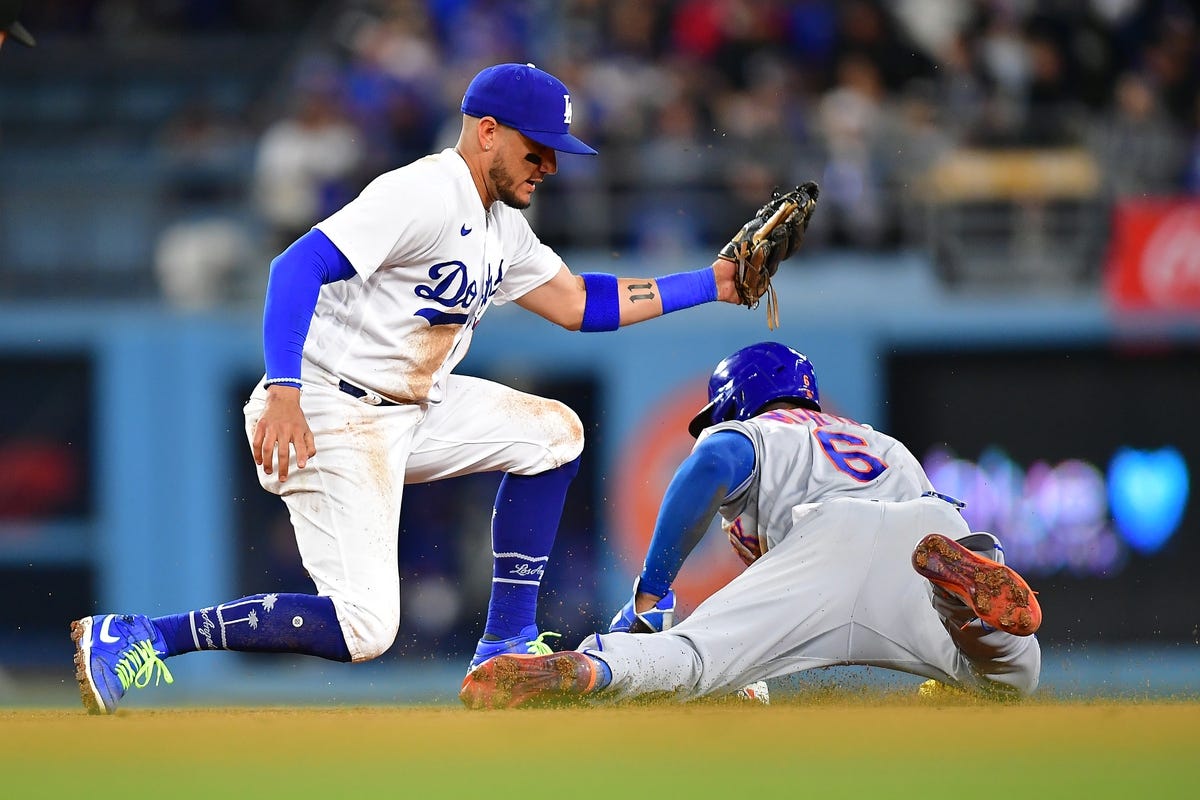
773,234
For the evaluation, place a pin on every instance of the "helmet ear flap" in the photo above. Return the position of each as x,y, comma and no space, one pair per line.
724,408
737,405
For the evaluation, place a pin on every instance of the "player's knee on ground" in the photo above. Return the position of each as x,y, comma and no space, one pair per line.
369,631
1014,662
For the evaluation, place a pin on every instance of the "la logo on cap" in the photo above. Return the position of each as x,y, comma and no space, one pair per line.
566,99
525,98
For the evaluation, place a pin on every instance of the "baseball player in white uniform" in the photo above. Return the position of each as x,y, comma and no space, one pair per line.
853,559
366,317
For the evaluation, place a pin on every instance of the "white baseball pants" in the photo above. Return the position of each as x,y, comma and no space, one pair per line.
345,503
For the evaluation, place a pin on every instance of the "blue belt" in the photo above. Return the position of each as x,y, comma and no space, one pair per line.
954,501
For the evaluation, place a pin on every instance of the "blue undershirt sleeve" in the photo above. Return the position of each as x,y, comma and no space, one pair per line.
297,275
717,466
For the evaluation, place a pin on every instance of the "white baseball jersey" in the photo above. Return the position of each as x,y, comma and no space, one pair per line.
837,508
430,260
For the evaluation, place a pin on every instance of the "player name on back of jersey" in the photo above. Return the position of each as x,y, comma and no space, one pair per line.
802,416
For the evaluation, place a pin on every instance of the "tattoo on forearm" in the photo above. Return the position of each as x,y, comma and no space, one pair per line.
633,287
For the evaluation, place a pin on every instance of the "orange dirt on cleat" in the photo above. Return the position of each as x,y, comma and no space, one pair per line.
999,596
508,681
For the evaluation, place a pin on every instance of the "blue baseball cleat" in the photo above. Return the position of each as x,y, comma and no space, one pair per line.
112,653
527,642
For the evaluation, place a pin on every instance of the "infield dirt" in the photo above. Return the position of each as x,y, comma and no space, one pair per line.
824,747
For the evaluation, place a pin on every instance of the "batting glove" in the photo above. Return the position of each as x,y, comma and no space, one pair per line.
656,619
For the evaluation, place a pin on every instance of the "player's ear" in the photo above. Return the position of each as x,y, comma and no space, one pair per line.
488,130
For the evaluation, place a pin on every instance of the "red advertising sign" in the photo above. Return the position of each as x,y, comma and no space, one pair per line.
1154,261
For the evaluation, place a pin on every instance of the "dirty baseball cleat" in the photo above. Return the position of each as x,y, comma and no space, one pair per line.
984,544
996,594
509,681
953,610
112,653
527,642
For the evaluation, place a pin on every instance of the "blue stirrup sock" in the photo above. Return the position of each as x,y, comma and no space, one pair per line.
524,523
603,673
263,623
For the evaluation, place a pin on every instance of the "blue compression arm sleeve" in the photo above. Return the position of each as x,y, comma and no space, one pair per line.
716,467
297,275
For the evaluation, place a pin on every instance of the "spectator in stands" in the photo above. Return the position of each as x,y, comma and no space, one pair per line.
1053,114
307,162
1140,149
392,87
1191,180
960,93
850,118
748,74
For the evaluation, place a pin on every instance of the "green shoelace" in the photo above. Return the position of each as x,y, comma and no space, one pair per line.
538,647
138,665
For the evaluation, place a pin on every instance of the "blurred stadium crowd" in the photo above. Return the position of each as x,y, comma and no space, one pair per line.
241,122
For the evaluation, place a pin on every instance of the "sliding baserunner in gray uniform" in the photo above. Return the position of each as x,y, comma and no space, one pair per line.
853,560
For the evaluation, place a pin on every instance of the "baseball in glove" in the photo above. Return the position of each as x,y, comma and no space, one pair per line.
773,234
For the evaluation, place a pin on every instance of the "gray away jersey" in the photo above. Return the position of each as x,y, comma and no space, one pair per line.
804,456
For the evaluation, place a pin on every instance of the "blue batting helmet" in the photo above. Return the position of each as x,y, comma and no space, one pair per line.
744,383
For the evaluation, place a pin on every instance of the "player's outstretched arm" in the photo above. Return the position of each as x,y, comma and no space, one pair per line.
717,466
741,274
602,302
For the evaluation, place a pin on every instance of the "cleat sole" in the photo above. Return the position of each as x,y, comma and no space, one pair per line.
510,681
80,634
998,595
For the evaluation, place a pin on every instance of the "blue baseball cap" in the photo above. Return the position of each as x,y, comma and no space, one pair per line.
527,99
